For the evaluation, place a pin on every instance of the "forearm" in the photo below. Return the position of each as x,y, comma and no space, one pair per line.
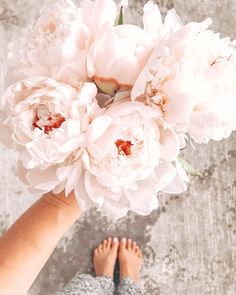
27,245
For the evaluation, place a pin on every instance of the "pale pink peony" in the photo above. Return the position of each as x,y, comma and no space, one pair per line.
153,24
45,121
3,64
98,14
128,159
117,56
57,46
127,49
190,76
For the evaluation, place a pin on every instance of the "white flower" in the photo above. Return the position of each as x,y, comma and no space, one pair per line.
190,76
57,46
45,121
117,56
3,64
128,159
154,25
127,49
98,14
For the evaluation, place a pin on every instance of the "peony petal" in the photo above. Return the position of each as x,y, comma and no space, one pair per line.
42,179
152,19
177,186
93,189
144,199
170,145
85,203
118,210
173,21
102,12
98,127
6,137
165,173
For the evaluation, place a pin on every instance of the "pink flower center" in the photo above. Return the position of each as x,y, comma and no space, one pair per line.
124,147
48,125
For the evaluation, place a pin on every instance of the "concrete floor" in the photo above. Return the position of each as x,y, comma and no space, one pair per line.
189,244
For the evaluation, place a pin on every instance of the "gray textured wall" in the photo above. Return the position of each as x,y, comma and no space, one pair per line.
189,244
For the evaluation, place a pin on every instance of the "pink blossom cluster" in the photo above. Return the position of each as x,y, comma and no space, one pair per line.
103,108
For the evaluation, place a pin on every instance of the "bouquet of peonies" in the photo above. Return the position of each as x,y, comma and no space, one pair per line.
103,108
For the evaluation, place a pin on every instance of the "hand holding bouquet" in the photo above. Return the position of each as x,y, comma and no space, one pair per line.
103,108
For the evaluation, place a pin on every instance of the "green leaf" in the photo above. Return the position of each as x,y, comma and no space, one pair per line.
120,19
188,167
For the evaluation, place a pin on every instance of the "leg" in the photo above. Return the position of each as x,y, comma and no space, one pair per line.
129,287
105,256
88,285
104,260
130,258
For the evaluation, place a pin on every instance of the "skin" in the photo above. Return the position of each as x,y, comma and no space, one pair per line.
25,249
28,243
126,251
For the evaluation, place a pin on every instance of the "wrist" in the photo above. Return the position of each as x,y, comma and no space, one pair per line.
67,206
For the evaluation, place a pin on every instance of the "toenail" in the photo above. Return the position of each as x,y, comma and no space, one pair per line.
115,240
123,240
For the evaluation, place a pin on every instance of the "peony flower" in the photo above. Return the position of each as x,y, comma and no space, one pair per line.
45,121
190,76
3,64
153,24
58,45
98,14
128,158
127,49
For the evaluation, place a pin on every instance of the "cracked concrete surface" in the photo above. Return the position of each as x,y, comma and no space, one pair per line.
189,244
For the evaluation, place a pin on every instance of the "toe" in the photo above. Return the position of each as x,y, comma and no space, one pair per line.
109,243
129,244
115,243
96,252
133,246
122,245
136,250
139,254
104,244
100,247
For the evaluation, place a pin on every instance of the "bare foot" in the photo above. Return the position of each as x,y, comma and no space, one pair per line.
130,257
105,256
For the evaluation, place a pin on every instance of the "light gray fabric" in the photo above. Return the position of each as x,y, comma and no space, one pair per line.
128,287
88,285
